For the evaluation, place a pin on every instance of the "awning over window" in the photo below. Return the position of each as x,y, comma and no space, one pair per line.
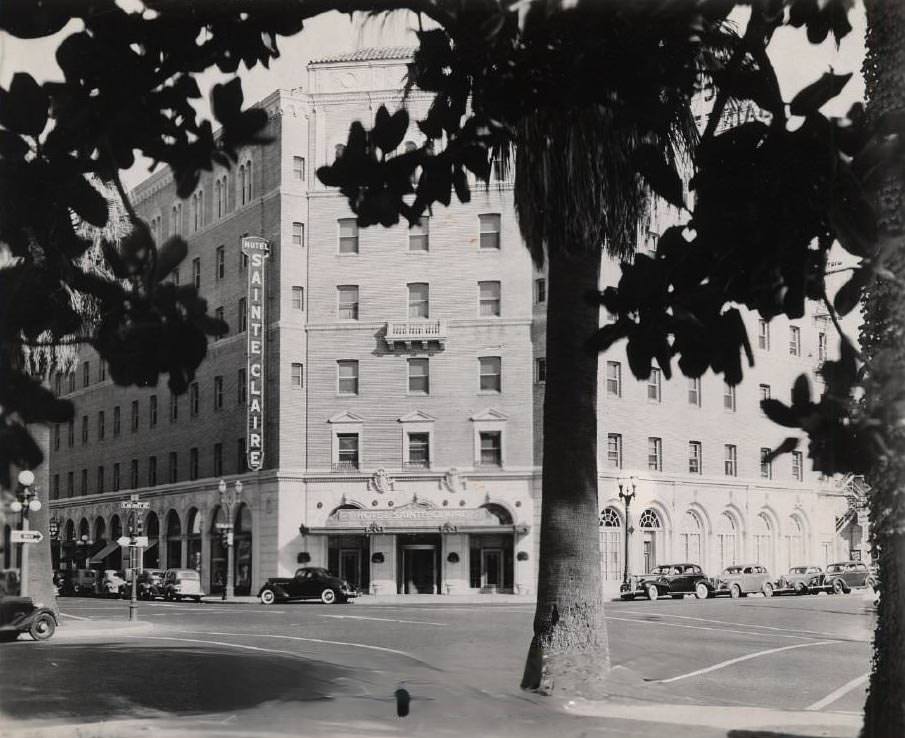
99,557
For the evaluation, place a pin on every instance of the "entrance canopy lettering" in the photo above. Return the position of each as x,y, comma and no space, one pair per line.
406,516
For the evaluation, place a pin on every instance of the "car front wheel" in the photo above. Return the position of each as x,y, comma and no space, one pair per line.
768,589
267,597
328,596
838,586
652,592
701,591
43,627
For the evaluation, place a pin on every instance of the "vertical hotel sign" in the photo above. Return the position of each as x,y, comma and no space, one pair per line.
257,250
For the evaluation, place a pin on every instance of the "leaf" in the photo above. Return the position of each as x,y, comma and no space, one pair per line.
226,100
849,294
662,178
788,445
24,108
780,413
607,336
87,201
12,146
460,184
801,392
816,95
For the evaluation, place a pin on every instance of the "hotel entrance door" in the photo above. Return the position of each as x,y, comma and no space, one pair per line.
492,568
419,569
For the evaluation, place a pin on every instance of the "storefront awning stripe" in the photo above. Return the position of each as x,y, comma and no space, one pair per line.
99,557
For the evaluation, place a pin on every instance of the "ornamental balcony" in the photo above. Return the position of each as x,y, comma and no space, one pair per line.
402,335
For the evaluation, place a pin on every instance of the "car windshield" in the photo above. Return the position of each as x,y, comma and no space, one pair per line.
661,570
729,570
798,570
190,575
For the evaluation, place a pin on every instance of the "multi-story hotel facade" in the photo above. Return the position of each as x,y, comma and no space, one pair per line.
402,392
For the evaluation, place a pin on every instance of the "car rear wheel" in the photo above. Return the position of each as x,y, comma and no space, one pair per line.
735,592
838,586
801,588
701,591
328,596
652,592
267,597
768,589
43,627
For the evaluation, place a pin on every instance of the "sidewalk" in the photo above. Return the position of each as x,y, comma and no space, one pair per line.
70,626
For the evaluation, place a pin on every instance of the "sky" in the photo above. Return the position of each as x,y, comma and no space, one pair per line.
797,62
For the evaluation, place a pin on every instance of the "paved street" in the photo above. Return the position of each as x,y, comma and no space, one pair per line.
243,669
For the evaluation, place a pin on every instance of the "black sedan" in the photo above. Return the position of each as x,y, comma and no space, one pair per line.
309,583
675,580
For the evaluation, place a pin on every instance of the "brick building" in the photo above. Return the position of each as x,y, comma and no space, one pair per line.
403,393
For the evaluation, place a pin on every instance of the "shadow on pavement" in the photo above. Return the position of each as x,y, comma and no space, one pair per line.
116,680
768,734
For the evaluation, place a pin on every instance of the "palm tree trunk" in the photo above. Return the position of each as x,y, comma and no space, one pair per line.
881,339
569,653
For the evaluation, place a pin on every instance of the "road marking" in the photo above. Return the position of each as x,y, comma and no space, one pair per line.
729,622
221,643
838,693
383,620
311,640
739,659
74,617
707,627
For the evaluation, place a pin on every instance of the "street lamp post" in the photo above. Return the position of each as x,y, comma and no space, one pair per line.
53,528
626,493
228,499
26,501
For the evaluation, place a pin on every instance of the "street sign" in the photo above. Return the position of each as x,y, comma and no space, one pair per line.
138,541
135,505
123,541
223,526
26,536
141,541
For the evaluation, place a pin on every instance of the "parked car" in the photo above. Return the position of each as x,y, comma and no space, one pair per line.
150,584
78,582
309,583
797,579
112,583
675,580
841,577
740,580
22,615
179,584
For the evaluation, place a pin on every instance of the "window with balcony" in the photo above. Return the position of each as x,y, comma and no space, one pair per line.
419,376
655,454
347,377
298,298
348,236
348,301
614,450
653,385
794,341
419,235
491,373
347,451
418,450
730,460
490,231
766,466
491,448
695,458
297,376
489,299
418,300
614,379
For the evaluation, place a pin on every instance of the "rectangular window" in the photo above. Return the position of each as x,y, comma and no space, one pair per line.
136,416
152,471
540,291
694,391
101,425
70,485
56,487
241,458
821,347
196,273
100,480
614,450
730,460
348,236
794,341
218,393
152,411
419,376
86,374
298,167
243,314
695,461
84,485
491,448
729,397
193,463
116,480
242,387
490,231
763,392
298,234
419,300
84,429
57,435
798,465
174,467
766,466
298,298
218,459
116,421
174,407
194,399
101,370
348,301
133,474
489,299
540,370
220,268
419,235
347,450
763,335
614,378
220,315
655,454
70,433
298,375
347,377
175,276
491,373
419,450
653,385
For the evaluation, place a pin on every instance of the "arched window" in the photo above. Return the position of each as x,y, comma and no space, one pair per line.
116,527
690,538
763,541
649,520
69,533
249,181
174,540
651,531
795,542
727,540
242,181
100,529
611,544
193,539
